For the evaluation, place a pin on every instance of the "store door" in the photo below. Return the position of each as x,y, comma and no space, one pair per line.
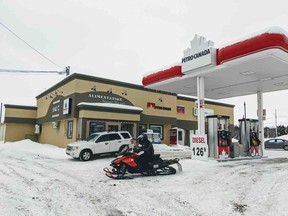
128,127
181,136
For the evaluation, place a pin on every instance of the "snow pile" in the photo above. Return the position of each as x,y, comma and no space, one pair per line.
283,137
28,148
172,151
165,147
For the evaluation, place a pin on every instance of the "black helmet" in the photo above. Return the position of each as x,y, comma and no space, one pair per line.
143,130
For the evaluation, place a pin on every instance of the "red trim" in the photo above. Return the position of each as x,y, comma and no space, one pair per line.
252,45
174,71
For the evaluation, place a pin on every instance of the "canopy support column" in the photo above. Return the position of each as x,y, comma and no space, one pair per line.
200,105
260,118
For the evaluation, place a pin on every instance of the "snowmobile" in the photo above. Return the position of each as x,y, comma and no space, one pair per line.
126,163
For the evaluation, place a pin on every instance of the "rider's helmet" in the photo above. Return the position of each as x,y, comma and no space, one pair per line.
142,136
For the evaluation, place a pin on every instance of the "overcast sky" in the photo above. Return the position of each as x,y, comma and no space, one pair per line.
122,40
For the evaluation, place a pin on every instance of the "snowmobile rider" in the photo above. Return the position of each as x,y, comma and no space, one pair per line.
146,150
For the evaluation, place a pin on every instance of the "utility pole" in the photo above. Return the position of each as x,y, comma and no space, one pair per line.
276,122
1,112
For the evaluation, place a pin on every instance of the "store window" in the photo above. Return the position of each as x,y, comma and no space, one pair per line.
96,127
157,129
128,127
70,130
113,127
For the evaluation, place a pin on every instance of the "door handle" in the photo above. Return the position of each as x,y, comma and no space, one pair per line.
119,141
106,143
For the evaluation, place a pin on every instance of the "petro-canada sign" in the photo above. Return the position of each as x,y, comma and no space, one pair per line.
201,54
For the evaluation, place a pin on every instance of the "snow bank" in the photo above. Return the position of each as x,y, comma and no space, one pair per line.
28,148
172,151
283,137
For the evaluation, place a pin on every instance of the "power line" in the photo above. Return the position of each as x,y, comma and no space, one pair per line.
29,45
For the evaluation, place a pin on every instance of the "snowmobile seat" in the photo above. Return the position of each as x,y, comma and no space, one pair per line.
156,156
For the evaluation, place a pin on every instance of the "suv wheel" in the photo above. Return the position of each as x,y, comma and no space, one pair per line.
285,148
86,155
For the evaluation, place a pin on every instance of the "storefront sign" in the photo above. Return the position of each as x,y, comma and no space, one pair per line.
59,108
104,97
199,147
67,106
180,109
154,106
201,54
56,109
207,112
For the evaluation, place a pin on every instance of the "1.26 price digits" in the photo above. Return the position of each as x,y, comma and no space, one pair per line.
199,151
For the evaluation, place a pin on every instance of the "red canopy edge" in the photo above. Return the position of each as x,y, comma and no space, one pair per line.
174,71
256,44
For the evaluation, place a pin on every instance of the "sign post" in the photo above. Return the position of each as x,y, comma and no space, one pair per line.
199,147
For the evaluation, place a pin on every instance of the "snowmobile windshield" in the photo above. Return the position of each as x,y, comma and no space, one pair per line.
92,137
124,150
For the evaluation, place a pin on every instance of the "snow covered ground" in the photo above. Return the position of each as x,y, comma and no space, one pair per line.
37,179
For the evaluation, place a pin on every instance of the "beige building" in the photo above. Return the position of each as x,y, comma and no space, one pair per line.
81,104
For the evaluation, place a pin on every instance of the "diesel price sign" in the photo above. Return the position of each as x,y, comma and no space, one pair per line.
199,147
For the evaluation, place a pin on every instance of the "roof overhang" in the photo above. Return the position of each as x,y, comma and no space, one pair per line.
259,63
110,107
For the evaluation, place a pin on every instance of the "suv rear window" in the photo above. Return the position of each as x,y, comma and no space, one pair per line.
126,135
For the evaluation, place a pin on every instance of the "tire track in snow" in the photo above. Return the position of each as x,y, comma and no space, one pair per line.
274,192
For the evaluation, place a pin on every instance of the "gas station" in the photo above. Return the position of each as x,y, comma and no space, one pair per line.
253,65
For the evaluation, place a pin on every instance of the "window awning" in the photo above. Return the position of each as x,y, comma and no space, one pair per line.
110,107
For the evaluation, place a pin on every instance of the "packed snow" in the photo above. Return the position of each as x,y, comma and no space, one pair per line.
40,179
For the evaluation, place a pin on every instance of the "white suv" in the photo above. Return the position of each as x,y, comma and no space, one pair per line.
100,143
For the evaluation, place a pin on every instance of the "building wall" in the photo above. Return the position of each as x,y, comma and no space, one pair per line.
57,136
166,137
2,131
19,123
44,102
15,112
138,97
16,132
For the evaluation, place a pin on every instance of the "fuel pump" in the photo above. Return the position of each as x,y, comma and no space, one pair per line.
177,136
219,137
249,131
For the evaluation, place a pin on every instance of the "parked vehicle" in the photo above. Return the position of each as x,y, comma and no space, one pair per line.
100,143
276,143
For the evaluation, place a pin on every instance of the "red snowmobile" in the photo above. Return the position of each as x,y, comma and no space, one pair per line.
127,164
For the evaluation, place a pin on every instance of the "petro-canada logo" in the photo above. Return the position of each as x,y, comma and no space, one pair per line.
201,54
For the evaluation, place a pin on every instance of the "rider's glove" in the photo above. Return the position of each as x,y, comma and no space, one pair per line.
136,150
